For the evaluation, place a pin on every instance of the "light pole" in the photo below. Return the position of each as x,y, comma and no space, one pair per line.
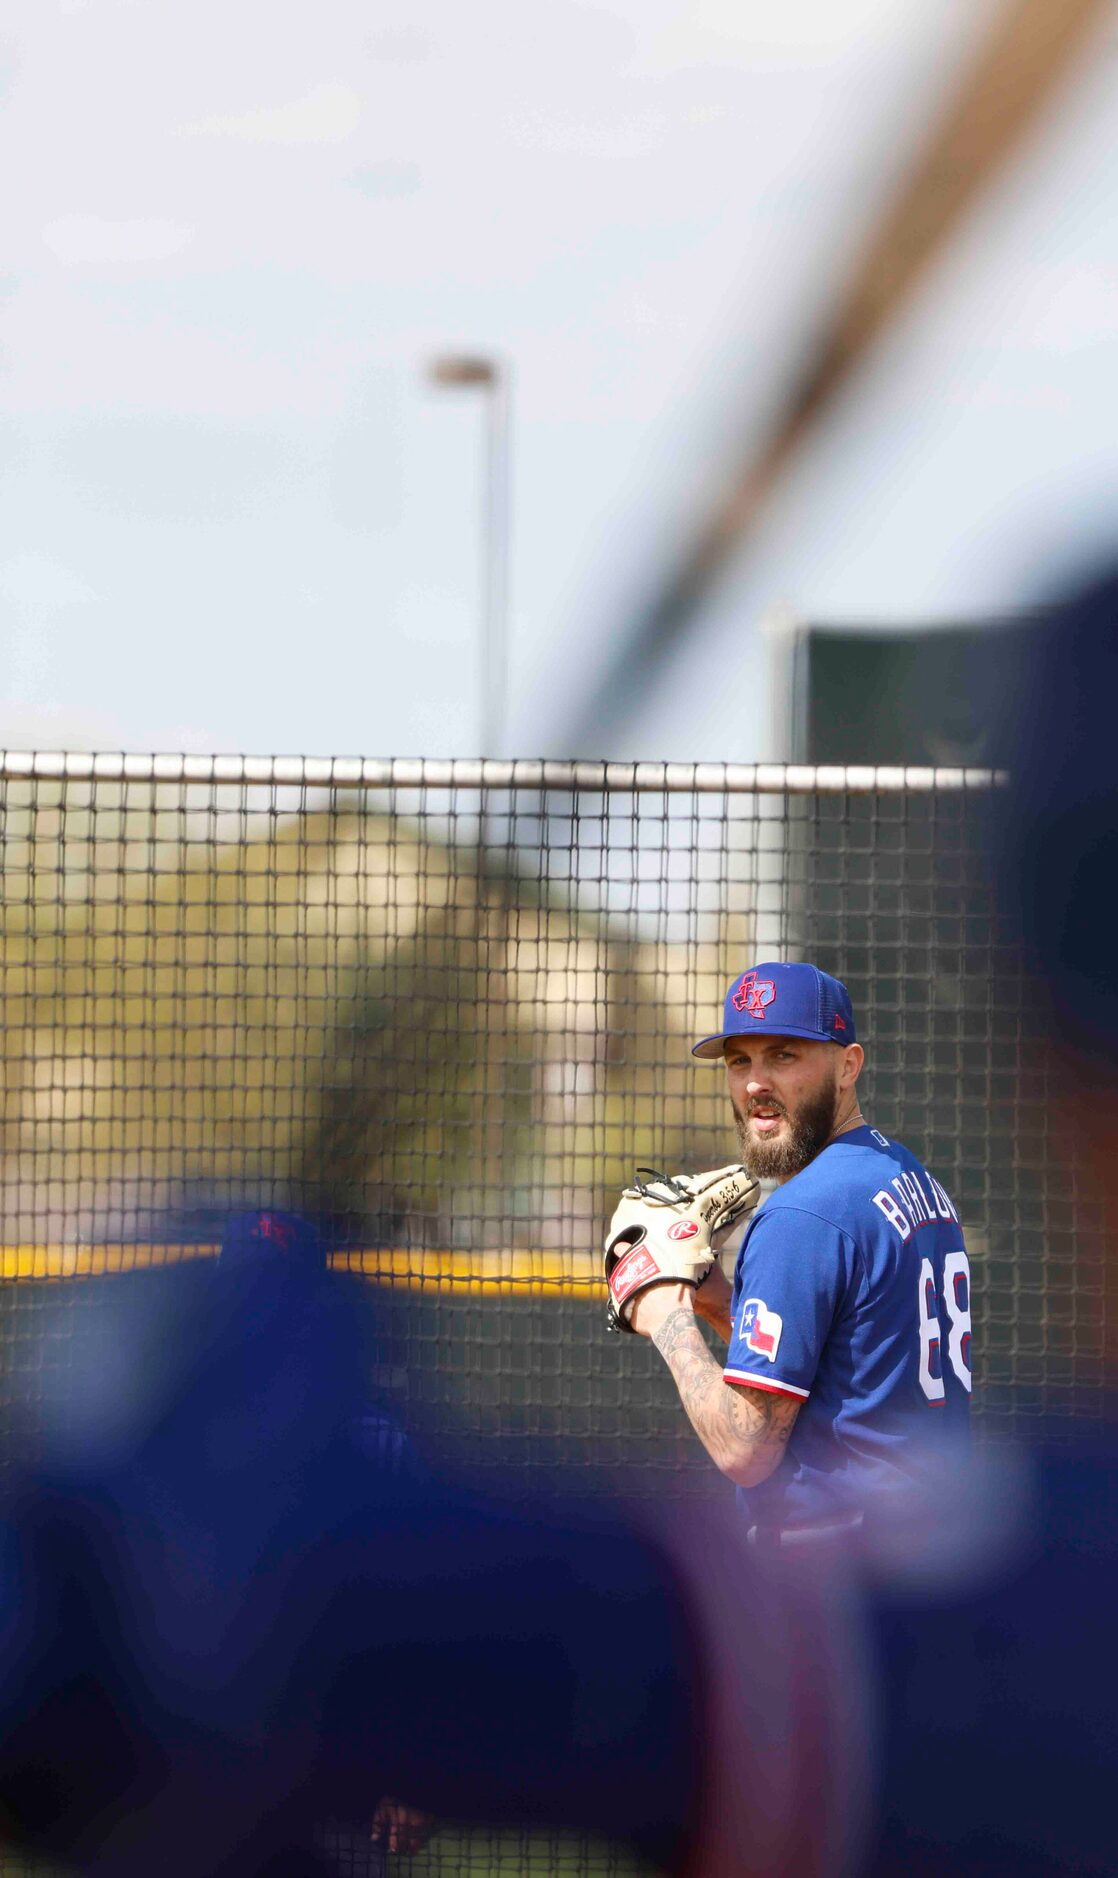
491,377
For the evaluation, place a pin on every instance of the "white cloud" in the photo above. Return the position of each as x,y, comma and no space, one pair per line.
625,137
1072,307
328,114
399,48
88,238
31,581
377,180
754,30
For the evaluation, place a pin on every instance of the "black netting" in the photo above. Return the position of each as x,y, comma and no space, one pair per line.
446,1021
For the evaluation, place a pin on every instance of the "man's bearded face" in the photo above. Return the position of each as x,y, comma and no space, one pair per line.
802,1129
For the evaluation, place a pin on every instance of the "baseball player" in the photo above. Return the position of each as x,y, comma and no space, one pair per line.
848,1370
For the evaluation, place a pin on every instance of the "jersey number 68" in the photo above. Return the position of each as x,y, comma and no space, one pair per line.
956,1297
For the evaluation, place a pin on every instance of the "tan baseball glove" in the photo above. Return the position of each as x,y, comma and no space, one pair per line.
666,1229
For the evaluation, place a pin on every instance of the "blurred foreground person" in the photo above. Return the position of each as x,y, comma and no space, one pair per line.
266,1241
998,1751
221,1626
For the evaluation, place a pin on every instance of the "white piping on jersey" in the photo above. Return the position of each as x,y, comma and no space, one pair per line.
758,1382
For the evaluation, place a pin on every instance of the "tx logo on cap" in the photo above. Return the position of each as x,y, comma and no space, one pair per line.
753,994
267,1226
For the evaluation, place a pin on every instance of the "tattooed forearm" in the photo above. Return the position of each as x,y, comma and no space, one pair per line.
745,1431
712,1304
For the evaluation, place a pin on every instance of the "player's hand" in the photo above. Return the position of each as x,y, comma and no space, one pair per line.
713,1299
401,1828
655,1305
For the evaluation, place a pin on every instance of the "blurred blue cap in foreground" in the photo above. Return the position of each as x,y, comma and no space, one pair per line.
268,1236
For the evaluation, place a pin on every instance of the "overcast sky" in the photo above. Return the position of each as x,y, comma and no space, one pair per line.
237,517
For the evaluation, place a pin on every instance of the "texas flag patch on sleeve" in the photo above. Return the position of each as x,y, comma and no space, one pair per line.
761,1328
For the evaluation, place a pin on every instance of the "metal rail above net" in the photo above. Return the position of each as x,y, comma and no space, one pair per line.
343,772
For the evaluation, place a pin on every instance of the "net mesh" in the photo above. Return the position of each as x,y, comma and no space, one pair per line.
445,1009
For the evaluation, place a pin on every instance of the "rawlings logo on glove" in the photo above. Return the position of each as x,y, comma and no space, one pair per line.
666,1230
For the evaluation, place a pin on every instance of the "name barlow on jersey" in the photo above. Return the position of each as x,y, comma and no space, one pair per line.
918,1208
849,1314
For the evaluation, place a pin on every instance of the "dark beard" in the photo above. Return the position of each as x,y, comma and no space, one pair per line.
807,1135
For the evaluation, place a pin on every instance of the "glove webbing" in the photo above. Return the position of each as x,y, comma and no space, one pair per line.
644,1187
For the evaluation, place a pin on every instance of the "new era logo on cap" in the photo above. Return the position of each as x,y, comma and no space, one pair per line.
790,1000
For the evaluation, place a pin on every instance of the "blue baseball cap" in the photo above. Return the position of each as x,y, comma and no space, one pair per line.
789,1001
273,1237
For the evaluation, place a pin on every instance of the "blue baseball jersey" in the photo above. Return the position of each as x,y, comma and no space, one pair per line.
852,1295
